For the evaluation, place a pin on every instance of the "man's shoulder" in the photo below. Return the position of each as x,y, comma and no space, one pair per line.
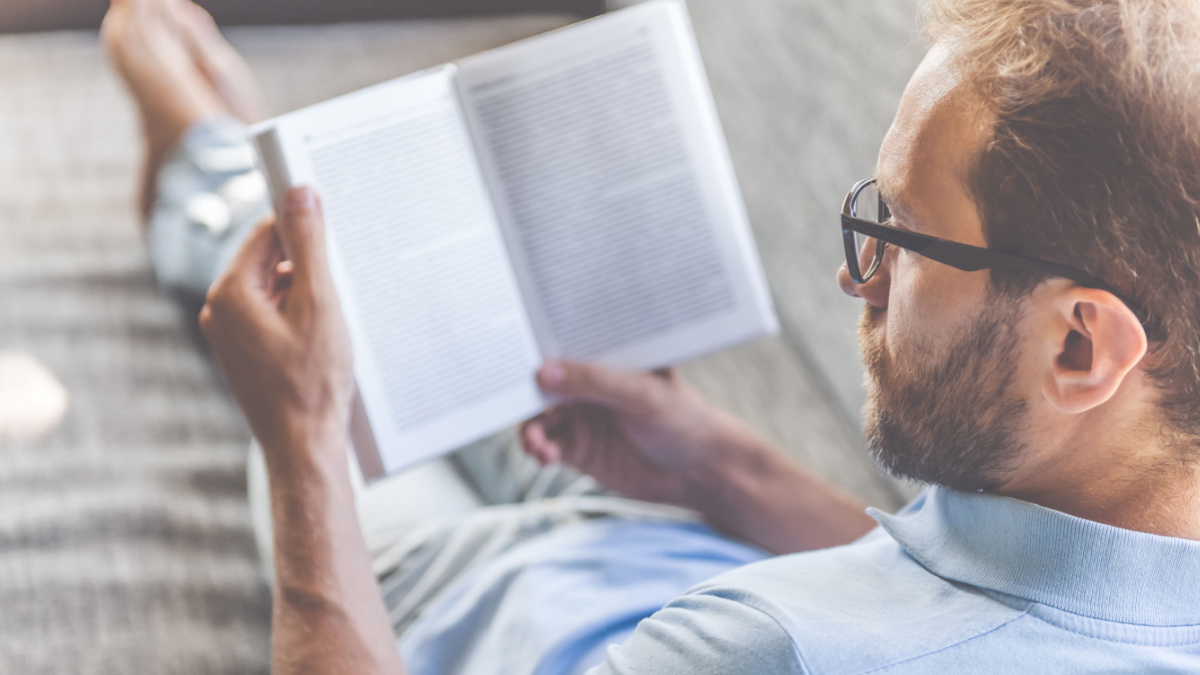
851,608
875,567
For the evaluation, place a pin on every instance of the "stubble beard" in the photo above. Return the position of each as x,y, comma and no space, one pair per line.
947,419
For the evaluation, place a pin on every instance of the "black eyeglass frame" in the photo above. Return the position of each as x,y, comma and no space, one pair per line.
964,257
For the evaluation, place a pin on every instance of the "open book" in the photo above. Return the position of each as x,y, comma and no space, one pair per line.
568,196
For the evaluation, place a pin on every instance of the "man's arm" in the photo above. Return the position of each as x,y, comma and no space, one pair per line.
276,329
752,491
328,615
652,437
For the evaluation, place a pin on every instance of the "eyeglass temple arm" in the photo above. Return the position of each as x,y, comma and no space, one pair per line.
973,258
969,258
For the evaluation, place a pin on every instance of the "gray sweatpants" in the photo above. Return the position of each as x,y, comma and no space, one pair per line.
426,526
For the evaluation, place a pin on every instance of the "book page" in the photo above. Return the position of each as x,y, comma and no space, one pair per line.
444,353
614,186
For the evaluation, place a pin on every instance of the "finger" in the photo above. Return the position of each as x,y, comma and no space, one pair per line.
552,421
588,430
255,262
249,279
623,391
247,287
282,282
302,232
537,444
523,432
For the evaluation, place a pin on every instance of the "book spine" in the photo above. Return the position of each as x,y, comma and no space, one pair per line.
272,163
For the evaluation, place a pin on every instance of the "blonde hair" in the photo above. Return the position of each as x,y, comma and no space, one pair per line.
1094,159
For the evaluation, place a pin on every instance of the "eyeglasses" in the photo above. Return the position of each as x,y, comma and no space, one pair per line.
866,237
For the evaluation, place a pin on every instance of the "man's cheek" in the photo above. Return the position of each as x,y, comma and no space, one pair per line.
931,306
900,326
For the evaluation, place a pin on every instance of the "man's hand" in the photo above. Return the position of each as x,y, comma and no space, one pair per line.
276,328
652,437
643,435
277,331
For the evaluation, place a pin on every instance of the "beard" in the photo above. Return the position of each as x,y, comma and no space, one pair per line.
947,419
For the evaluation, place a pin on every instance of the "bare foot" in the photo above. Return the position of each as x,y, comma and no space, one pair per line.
147,48
224,67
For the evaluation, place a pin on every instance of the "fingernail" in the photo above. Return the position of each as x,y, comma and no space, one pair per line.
553,374
301,199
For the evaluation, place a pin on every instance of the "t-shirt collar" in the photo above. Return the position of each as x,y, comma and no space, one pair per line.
1028,551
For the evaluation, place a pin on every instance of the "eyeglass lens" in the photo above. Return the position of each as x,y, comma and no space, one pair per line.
868,206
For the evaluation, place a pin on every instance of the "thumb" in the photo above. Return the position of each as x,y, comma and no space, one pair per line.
620,390
301,229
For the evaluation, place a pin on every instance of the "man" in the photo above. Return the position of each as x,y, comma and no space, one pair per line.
1028,253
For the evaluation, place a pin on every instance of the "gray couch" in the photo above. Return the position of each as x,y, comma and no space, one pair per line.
124,536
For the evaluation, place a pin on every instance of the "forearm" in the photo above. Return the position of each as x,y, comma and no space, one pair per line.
328,614
754,492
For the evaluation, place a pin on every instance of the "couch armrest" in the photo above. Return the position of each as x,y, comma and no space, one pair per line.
18,16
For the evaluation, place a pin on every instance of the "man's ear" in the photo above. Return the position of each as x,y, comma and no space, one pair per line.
1099,340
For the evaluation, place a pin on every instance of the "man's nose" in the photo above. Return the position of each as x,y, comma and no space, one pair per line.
874,291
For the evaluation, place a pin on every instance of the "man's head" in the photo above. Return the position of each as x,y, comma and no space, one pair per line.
1065,130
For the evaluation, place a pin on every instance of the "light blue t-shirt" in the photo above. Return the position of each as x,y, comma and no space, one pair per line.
552,605
955,583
